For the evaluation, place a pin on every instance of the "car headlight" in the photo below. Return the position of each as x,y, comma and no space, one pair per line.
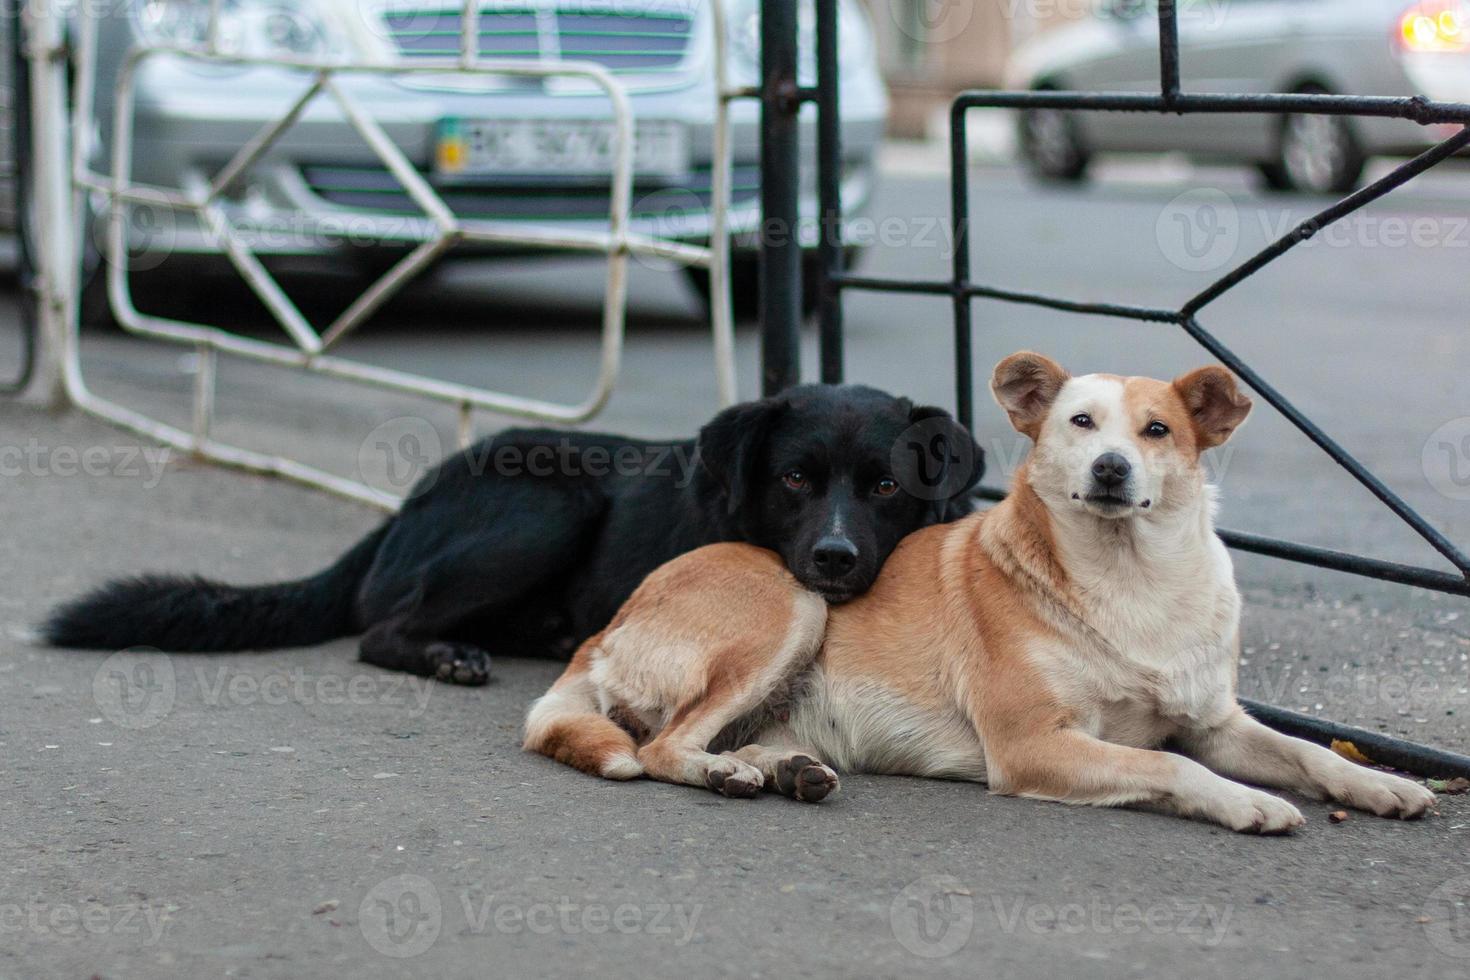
855,48
1435,26
250,28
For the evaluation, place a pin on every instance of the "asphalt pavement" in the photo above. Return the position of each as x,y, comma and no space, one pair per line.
296,813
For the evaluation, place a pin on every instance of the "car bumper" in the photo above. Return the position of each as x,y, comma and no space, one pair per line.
321,187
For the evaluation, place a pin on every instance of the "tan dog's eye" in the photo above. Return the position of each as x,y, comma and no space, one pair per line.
795,479
1156,430
1082,420
886,487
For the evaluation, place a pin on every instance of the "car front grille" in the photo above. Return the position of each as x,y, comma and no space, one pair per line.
630,43
375,190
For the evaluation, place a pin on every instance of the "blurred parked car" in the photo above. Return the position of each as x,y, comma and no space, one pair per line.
1354,47
508,148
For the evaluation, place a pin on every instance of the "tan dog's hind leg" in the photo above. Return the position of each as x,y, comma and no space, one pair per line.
1072,767
738,677
1243,748
678,754
567,725
790,772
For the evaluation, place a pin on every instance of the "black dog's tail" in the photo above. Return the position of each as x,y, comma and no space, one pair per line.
185,614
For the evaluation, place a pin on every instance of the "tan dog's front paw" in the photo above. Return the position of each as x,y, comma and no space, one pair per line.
731,777
1383,794
803,778
1254,812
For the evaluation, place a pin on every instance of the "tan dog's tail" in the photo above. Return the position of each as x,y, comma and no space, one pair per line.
566,724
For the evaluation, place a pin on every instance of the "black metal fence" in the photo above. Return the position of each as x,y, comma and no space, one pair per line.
783,98
20,114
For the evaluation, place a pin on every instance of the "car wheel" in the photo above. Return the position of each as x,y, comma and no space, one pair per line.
1319,154
1273,177
1051,145
745,279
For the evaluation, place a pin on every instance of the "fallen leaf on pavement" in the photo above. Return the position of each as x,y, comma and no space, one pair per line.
1350,752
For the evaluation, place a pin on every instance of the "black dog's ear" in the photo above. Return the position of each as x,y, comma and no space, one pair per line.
729,446
939,461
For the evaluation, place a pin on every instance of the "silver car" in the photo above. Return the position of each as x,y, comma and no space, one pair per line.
1353,47
502,148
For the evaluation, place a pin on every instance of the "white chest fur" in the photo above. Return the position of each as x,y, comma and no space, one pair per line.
1153,640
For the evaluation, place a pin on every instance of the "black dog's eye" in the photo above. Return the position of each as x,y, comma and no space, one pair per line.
1156,430
1082,420
886,487
795,479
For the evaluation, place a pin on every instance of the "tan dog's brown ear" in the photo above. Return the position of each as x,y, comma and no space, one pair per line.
1215,402
1025,385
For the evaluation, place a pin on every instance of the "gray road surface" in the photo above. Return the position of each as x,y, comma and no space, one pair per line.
296,814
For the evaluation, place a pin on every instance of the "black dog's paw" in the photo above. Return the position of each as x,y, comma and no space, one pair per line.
459,663
803,778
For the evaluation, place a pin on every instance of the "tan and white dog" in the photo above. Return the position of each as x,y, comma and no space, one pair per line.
1048,647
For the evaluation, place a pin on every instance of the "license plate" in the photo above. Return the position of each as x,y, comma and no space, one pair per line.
468,148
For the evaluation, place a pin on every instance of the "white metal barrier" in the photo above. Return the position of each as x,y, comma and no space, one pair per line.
64,178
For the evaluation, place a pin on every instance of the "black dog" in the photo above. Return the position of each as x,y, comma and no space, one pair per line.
530,541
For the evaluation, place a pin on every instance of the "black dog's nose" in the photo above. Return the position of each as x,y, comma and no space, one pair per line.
835,556
1111,469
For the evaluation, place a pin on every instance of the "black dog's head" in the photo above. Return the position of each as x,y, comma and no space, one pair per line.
832,477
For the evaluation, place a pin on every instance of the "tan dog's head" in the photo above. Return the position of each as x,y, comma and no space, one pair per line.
1117,447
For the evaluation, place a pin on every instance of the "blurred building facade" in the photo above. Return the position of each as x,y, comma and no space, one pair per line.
932,49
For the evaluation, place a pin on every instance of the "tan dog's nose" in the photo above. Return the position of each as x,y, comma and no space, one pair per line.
1111,470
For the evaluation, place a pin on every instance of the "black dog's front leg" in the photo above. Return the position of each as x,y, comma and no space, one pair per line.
390,644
